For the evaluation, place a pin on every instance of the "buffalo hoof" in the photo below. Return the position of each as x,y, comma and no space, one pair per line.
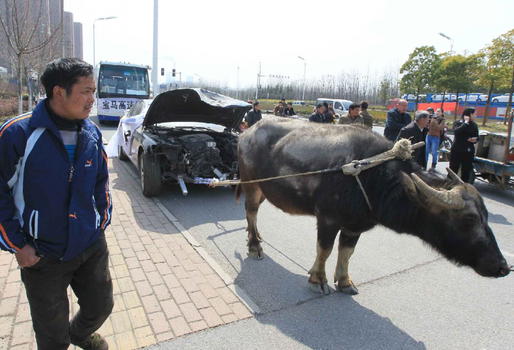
256,254
323,289
350,290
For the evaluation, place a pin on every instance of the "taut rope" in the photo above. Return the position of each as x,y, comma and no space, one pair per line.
402,149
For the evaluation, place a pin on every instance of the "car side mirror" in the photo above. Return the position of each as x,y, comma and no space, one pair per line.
127,135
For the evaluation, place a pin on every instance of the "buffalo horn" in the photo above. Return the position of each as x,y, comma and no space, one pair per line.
449,199
454,176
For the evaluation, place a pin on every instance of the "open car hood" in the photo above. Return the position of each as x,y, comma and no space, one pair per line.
196,105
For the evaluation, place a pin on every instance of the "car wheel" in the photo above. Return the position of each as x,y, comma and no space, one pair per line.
121,154
495,100
150,172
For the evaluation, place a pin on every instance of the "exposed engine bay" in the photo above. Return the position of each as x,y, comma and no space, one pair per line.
196,155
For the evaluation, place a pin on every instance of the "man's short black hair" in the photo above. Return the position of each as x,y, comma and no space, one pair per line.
353,106
64,72
256,103
468,112
319,105
364,105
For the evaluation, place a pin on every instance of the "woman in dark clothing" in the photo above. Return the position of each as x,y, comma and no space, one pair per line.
463,148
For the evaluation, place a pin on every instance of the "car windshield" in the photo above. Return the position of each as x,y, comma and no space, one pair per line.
123,81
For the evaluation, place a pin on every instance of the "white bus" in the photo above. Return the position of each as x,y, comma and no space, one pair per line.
120,85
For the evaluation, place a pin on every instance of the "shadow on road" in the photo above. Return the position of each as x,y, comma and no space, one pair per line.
336,321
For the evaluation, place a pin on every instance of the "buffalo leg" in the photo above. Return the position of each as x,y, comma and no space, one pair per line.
253,199
326,237
347,242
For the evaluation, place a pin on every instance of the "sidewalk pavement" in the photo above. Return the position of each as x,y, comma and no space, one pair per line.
163,288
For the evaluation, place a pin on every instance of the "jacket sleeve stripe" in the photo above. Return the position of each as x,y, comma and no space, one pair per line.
106,212
6,239
8,124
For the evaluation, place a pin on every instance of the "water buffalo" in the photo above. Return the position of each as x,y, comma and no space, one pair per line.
444,212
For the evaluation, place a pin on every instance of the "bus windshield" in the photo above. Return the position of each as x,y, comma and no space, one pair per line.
123,81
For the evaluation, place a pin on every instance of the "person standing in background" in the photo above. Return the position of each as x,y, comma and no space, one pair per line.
397,118
366,117
435,130
254,115
463,148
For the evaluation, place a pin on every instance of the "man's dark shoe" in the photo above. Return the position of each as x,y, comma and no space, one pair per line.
94,342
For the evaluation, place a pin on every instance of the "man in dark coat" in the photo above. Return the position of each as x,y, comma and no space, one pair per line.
254,115
396,119
416,132
321,115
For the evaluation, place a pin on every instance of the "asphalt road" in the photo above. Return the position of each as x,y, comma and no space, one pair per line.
410,297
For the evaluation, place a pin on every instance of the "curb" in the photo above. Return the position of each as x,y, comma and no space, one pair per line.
229,281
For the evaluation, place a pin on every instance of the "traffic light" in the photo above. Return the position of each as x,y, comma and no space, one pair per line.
173,72
162,71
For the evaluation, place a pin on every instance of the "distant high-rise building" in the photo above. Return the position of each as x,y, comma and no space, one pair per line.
68,36
78,50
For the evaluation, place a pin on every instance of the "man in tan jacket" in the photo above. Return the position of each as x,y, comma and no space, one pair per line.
435,129
353,116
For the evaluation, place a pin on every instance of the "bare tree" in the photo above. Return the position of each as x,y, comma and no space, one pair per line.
21,23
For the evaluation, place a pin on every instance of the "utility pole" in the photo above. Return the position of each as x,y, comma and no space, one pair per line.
237,83
155,68
304,75
258,82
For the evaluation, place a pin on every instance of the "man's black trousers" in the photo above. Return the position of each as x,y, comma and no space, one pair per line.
46,284
464,162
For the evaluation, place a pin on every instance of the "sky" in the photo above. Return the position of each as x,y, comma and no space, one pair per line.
209,40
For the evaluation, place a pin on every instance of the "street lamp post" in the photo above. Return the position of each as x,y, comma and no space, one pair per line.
94,33
304,76
448,38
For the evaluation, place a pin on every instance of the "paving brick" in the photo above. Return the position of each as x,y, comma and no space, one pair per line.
148,265
150,303
229,318
121,271
144,288
131,299
164,336
199,300
189,285
126,340
119,303
211,317
170,308
11,290
138,317
22,333
190,312
137,274
6,325
154,278
227,295
23,313
240,310
8,306
116,259
159,322
106,328
180,295
126,284
180,326
144,336
120,322
171,281
161,292
220,306
208,290
198,325
163,268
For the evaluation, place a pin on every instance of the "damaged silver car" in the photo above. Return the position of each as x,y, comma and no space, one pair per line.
184,136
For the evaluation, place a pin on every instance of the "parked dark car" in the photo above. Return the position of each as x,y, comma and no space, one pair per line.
182,136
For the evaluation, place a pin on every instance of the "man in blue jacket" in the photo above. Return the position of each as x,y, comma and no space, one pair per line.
396,119
55,205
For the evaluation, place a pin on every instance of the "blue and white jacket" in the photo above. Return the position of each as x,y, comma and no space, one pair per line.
57,206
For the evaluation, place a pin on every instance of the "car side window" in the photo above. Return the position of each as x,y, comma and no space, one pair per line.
338,105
